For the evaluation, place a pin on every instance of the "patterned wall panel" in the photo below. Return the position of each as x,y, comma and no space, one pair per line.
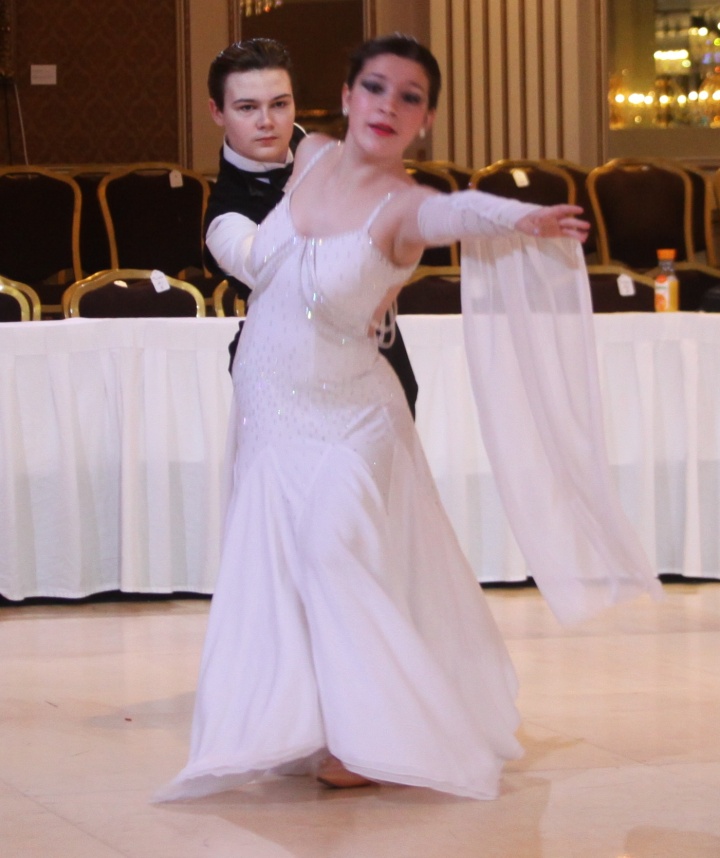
116,98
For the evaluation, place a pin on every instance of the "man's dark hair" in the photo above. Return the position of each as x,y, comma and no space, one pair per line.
401,46
250,55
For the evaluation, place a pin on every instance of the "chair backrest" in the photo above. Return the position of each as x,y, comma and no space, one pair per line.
226,301
433,177
426,173
460,174
154,215
526,180
615,289
39,225
18,302
702,203
130,293
641,206
94,242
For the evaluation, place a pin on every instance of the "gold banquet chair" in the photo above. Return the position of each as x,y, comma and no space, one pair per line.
701,204
645,204
40,229
18,302
154,214
125,293
226,301
640,206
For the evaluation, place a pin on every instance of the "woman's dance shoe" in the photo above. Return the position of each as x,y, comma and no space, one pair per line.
332,773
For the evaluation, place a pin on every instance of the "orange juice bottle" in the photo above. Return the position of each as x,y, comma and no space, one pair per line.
666,283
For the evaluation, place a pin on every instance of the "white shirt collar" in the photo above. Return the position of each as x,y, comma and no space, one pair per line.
251,166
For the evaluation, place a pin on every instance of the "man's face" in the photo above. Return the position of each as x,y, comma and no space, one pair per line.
258,114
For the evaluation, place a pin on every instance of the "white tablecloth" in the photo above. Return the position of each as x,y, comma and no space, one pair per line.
112,442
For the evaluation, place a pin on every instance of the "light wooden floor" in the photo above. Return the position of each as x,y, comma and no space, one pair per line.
621,729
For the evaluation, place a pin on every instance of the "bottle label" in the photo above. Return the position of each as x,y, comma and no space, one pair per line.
666,293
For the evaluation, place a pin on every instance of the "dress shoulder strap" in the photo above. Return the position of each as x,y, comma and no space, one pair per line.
315,158
376,211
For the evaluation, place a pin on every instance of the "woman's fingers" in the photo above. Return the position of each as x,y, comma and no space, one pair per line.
555,221
564,210
575,225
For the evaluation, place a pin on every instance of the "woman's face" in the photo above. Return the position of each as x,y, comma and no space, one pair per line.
388,104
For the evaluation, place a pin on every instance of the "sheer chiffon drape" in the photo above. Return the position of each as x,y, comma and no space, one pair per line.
533,363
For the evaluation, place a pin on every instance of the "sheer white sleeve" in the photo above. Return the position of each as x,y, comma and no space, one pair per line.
229,239
445,218
530,344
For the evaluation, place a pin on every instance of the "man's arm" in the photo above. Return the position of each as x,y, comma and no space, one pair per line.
229,239
245,193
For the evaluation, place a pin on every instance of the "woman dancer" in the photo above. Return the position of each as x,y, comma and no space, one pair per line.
347,633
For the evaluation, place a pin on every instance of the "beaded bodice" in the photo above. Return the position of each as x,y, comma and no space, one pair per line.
307,365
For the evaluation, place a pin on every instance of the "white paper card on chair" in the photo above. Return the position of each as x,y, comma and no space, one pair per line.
626,287
159,281
176,179
520,177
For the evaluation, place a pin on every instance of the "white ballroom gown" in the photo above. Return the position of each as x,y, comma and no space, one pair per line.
345,615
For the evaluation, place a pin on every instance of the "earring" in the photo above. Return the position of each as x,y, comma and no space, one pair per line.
345,111
422,133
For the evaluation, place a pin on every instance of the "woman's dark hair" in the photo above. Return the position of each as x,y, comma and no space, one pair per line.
401,46
250,55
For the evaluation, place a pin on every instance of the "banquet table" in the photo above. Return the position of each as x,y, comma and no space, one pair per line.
113,434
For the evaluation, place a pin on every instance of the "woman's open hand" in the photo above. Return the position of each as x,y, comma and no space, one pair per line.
555,222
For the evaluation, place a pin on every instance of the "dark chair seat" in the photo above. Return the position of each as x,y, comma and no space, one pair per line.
710,302
431,292
10,308
695,281
204,283
18,302
609,297
130,293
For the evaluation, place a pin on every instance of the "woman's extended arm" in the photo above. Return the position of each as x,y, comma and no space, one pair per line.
446,218
451,217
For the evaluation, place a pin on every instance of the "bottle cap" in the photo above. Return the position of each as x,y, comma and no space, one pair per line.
666,253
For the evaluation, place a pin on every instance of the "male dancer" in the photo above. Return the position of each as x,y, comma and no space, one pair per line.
251,98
